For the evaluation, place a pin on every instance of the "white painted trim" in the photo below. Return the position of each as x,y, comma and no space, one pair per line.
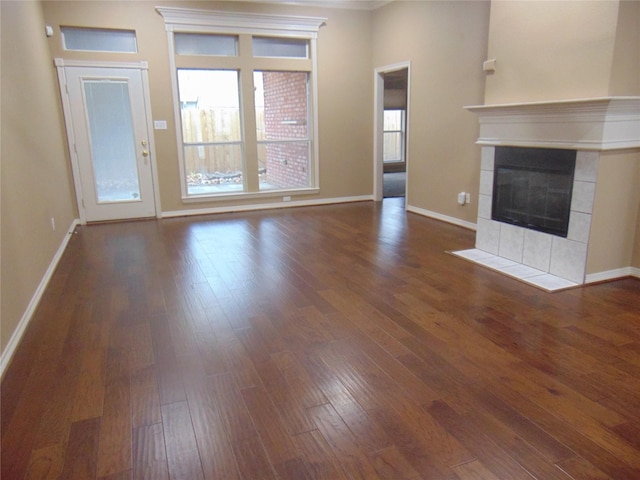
190,19
266,206
240,195
14,341
314,115
607,123
378,119
441,217
71,140
61,62
612,274
151,143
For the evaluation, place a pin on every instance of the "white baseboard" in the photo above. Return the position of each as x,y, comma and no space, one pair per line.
265,206
444,218
612,274
14,341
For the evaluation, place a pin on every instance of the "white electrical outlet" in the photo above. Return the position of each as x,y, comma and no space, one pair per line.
286,199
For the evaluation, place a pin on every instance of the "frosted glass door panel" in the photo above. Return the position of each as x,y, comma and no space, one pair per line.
113,149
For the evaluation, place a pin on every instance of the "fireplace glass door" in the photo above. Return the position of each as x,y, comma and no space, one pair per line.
532,188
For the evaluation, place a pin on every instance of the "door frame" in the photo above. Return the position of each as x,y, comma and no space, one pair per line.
378,127
143,66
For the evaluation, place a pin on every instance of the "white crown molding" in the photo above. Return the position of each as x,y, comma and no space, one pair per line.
607,123
189,19
61,62
337,4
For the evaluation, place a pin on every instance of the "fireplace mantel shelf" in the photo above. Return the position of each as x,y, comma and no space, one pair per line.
605,123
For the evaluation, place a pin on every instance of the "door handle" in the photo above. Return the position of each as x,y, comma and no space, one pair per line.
145,153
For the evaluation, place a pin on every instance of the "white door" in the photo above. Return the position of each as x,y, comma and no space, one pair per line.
109,139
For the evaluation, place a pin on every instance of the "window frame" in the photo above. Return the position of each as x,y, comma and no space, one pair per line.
245,26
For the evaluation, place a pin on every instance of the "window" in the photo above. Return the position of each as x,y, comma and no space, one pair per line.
393,135
199,44
282,129
99,40
280,47
211,133
245,102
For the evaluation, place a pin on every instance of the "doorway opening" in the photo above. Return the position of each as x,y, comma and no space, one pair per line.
391,131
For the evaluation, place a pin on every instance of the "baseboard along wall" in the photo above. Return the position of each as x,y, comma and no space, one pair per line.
14,341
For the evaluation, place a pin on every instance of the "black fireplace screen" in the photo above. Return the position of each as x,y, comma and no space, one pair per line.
532,188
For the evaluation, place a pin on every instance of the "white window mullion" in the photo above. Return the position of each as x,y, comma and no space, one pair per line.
249,131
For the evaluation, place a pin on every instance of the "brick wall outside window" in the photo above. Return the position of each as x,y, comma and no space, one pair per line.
285,110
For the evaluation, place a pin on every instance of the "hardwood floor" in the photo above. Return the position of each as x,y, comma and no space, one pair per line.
333,342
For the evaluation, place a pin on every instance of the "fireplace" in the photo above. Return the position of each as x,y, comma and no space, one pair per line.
538,216
532,188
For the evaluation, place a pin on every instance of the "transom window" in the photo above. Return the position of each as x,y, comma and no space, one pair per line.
245,102
99,39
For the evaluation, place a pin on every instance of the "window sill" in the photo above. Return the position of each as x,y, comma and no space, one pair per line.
221,197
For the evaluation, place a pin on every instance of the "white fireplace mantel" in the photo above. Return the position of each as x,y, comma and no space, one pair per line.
607,123
591,127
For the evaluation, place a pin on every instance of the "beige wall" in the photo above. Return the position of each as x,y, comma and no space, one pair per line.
344,87
446,45
550,50
625,71
615,213
36,182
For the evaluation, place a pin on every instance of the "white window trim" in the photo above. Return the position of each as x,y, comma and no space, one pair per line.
208,21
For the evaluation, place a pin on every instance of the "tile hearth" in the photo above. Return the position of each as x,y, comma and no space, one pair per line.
532,276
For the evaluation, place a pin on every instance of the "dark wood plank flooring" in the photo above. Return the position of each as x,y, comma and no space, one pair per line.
332,342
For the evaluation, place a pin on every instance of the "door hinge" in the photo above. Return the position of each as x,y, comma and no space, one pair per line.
66,88
82,201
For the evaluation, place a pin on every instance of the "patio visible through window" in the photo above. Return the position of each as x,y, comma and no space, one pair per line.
211,133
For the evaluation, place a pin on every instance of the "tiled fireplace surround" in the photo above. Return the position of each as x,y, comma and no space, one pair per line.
589,126
563,257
